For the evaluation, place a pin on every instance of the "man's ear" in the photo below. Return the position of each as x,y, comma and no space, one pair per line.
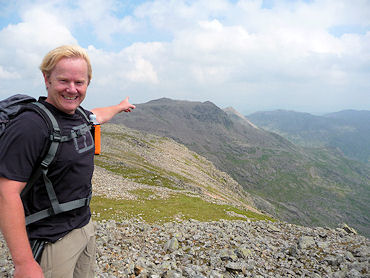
46,79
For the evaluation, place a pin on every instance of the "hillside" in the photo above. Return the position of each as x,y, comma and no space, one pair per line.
311,187
348,131
162,180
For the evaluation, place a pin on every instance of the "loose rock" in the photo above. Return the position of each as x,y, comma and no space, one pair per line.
223,249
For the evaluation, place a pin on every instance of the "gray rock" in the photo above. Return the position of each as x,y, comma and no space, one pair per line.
172,274
306,242
322,244
189,272
228,255
243,251
362,252
333,261
353,273
338,274
292,251
215,274
236,267
272,228
222,249
362,267
348,229
172,245
349,257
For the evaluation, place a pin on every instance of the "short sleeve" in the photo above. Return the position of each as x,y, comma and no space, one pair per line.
21,146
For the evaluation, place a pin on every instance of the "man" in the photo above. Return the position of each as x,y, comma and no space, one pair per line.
70,251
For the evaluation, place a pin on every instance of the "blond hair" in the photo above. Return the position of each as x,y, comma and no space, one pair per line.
66,51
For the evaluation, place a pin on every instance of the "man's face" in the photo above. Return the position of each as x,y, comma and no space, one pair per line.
67,84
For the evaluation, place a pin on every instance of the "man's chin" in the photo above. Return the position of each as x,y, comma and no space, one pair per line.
70,106
69,109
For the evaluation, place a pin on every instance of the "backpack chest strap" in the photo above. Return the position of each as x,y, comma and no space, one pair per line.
64,207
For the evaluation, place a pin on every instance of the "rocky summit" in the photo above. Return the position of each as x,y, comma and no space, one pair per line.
223,249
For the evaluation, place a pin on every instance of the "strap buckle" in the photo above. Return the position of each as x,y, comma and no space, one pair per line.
56,135
44,164
88,200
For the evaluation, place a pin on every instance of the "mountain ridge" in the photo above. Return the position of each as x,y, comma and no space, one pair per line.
286,180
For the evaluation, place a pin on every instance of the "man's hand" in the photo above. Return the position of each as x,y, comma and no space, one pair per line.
126,106
28,270
105,114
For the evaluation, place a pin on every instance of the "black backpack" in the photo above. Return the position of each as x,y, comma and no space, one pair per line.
11,108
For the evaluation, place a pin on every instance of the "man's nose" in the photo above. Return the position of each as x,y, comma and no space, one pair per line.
71,87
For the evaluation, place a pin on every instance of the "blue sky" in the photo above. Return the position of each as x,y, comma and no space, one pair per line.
308,56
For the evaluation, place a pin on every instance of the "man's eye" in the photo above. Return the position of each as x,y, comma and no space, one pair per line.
80,83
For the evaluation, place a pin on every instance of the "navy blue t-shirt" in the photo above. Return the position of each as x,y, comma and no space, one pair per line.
21,147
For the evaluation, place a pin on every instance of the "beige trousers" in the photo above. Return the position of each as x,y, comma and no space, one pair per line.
73,256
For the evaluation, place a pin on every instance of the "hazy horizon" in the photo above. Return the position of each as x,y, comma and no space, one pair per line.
271,110
254,55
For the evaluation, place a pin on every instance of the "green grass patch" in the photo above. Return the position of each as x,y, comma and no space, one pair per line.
196,156
264,157
139,170
165,210
142,193
136,174
133,140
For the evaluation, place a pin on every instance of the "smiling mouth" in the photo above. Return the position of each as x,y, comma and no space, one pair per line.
70,98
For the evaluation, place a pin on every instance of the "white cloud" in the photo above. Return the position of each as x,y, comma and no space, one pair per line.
132,64
101,17
4,74
143,72
285,56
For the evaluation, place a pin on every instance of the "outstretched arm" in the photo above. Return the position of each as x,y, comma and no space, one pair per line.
13,227
104,114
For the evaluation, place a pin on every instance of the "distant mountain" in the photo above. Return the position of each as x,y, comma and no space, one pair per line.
311,187
355,117
347,131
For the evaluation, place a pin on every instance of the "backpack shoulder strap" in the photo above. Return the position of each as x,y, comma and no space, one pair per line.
82,112
56,138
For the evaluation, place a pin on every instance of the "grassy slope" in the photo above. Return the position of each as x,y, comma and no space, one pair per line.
189,178
316,187
177,207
